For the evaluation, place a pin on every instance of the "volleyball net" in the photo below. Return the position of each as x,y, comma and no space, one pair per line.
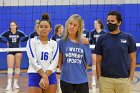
24,48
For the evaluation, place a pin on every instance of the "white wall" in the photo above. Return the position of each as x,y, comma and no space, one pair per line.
63,2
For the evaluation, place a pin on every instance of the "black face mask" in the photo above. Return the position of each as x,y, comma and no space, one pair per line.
112,27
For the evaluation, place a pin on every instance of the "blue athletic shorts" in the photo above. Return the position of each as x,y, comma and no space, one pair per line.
34,79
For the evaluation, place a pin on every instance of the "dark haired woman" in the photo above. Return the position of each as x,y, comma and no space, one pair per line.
13,38
99,30
43,59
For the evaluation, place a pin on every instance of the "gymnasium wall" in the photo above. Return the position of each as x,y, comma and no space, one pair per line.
25,12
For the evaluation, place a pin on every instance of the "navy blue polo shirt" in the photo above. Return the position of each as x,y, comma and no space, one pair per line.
115,50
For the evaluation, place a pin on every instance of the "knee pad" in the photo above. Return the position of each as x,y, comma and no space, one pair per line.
10,71
17,70
93,67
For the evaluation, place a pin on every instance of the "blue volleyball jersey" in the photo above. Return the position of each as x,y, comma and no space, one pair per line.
86,33
95,35
115,50
75,58
13,40
33,34
56,37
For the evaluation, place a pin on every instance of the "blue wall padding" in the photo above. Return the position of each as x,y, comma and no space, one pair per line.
25,16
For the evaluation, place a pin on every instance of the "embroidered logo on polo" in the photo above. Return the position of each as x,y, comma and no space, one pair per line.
123,41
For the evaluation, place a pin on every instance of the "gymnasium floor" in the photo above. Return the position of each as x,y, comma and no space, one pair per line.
23,84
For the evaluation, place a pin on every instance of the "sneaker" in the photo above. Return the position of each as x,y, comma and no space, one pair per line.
16,86
9,87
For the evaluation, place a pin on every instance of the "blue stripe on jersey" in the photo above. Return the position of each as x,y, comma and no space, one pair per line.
31,49
55,52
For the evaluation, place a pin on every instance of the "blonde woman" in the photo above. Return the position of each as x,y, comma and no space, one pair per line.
74,56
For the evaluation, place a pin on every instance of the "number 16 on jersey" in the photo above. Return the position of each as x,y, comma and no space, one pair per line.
44,55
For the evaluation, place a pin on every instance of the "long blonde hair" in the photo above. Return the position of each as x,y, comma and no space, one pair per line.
80,29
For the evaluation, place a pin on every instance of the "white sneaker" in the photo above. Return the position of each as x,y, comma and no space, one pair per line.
9,87
16,86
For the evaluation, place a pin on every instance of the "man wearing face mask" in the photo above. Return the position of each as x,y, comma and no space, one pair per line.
116,57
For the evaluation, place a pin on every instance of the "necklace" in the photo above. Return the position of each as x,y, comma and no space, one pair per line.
44,42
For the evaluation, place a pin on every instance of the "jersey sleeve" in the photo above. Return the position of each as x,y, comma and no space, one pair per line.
31,35
54,61
25,37
21,33
53,38
3,36
32,54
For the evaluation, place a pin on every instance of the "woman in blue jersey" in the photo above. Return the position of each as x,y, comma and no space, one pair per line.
13,37
95,33
73,57
98,31
36,30
58,32
86,33
43,59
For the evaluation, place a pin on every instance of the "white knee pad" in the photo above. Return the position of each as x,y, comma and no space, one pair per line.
17,70
10,71
93,67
